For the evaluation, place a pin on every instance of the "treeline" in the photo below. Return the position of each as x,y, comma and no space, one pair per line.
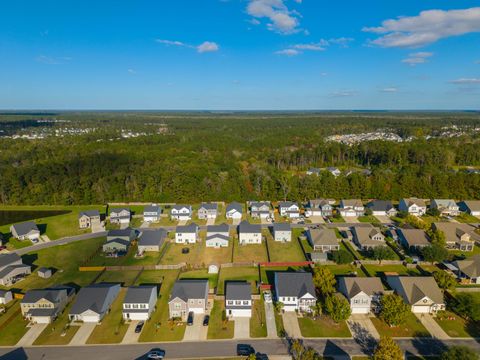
210,157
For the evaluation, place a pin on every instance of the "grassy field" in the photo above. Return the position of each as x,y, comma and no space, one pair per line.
250,253
455,326
345,269
357,255
467,218
159,328
126,278
411,328
12,325
217,328
379,270
368,219
249,274
258,326
289,251
323,326
58,333
201,274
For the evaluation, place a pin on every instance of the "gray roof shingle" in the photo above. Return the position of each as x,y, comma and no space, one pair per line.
294,284
238,291
139,294
190,289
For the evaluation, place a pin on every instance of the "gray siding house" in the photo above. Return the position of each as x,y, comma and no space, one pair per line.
207,211
25,231
282,232
186,296
88,218
12,269
93,302
151,240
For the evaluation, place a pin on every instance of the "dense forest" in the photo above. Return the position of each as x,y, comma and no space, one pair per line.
193,157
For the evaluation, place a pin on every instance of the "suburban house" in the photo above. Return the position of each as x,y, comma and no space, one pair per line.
217,236
295,290
88,218
313,171
186,234
413,239
118,241
352,207
139,302
363,293
186,296
282,232
5,297
12,269
323,239
120,216
382,208
93,302
420,292
458,236
238,299
289,209
151,240
319,207
25,231
468,269
413,206
181,212
367,237
249,233
259,209
44,306
208,211
446,207
471,207
334,171
151,213
127,234
234,211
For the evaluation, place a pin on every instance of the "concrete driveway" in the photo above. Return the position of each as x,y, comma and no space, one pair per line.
362,327
432,326
317,220
210,222
130,336
236,221
242,328
31,335
270,320
351,219
82,335
384,219
290,323
196,331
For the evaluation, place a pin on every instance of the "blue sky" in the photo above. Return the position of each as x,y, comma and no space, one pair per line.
240,54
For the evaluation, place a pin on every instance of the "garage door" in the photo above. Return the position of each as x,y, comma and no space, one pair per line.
41,319
197,310
421,309
360,310
91,318
242,313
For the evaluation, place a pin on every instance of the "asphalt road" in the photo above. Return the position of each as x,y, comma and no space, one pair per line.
222,348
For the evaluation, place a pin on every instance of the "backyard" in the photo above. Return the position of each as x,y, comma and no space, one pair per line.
249,253
249,274
284,251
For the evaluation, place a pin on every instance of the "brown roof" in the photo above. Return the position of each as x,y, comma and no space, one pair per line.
415,237
364,235
470,267
355,285
323,236
453,231
415,288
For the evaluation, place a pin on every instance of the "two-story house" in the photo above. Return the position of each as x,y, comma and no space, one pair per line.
186,234
367,237
139,302
323,239
413,206
93,302
120,216
249,233
319,207
282,232
363,294
88,218
295,290
208,211
446,207
152,213
351,208
458,236
25,231
217,236
259,209
234,211
382,208
186,296
43,306
12,269
181,212
289,209
118,241
238,299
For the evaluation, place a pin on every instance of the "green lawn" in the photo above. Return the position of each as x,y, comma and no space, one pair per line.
337,219
201,274
455,326
12,325
379,270
368,219
217,328
288,251
249,274
345,269
352,250
323,326
126,278
411,328
279,324
249,253
258,326
58,332
467,218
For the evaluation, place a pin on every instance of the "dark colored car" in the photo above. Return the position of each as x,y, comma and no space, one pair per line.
260,356
156,354
190,318
206,320
185,250
245,350
139,327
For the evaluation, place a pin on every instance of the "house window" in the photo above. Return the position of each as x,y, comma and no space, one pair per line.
238,302
230,302
245,302
178,306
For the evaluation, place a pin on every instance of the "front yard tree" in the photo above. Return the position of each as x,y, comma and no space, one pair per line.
337,308
324,280
394,310
434,253
300,352
387,349
342,257
459,353
279,306
444,280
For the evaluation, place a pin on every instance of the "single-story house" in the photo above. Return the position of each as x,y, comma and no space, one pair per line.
446,207
334,171
259,209
25,231
319,207
5,297
323,239
413,239
44,272
186,234
139,302
151,240
217,236
458,236
282,232
382,208
93,302
351,207
289,209
420,292
295,290
238,299
469,269
181,212
152,213
471,207
116,246
249,233
120,216
208,211
234,211
362,293
88,218
12,269
367,237
186,296
44,306
413,206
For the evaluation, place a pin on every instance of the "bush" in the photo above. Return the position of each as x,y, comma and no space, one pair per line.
342,257
466,305
460,353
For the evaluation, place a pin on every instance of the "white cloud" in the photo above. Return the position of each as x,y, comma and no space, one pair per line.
49,60
390,89
323,74
466,81
321,45
207,46
288,52
426,28
281,18
417,58
311,47
172,43
131,71
343,93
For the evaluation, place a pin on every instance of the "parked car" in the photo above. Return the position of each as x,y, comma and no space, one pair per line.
156,354
206,320
34,240
190,318
139,327
245,350
261,356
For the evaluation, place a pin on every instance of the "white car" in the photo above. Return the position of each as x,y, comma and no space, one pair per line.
156,354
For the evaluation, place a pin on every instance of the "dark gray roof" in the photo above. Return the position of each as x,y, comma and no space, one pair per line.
222,228
7,259
117,241
117,210
151,208
43,269
7,270
32,296
235,206
3,293
190,289
246,227
89,213
25,227
191,228
93,297
119,232
152,238
139,294
238,291
208,206
286,204
294,284
282,227
380,205
181,206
